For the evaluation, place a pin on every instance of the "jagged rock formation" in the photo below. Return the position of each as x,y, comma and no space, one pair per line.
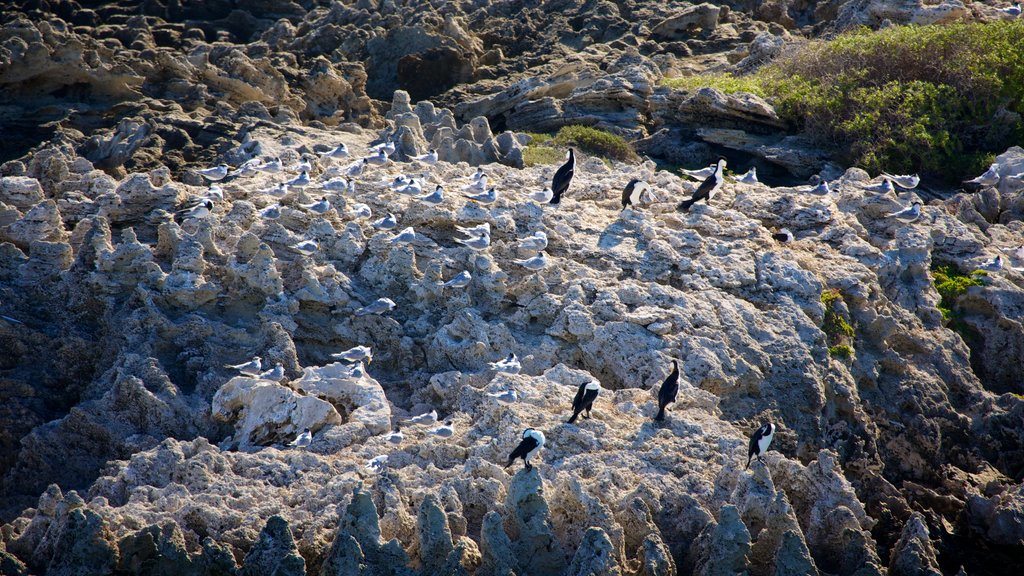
126,445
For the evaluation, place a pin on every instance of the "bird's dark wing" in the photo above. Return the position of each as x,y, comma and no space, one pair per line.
524,448
752,449
563,176
627,192
577,401
670,388
704,190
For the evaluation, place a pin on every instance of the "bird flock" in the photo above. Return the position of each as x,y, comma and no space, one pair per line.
340,178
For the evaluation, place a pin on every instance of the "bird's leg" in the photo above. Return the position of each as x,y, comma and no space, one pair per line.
528,466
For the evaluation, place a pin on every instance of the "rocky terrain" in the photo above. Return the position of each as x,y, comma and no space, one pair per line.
129,447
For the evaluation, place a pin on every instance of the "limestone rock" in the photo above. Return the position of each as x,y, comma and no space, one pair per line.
913,553
536,548
594,555
274,552
265,412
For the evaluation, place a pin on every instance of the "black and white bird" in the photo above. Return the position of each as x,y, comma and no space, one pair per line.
479,173
477,185
302,440
748,177
299,181
989,178
321,206
883,187
436,197
339,151
992,265
389,222
905,181
447,430
395,437
563,177
306,247
544,196
908,214
214,174
199,211
460,280
821,188
430,157
668,391
276,373
529,446
272,212
584,400
250,368
633,193
760,441
783,235
538,262
378,306
1012,10
406,236
707,189
510,365
488,197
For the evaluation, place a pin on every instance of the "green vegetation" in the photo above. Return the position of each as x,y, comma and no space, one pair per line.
836,328
548,149
950,285
932,99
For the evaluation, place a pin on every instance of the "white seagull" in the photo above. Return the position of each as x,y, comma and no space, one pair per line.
908,214
406,236
355,354
306,247
821,188
426,419
276,373
430,157
435,197
488,197
700,174
339,151
477,185
338,184
460,280
380,158
748,177
993,264
478,243
535,243
214,174
360,211
543,197
271,166
475,231
377,464
445,431
395,437
905,181
509,396
388,222
883,187
300,180
357,168
538,262
378,306
276,191
303,440
250,368
509,365
320,207
989,178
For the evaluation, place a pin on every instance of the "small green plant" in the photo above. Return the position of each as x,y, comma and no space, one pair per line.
950,285
542,155
596,142
837,329
725,83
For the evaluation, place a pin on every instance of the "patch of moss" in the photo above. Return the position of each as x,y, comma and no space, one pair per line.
950,285
542,155
838,331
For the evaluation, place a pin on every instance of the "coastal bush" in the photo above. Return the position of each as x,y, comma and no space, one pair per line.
548,149
939,99
950,285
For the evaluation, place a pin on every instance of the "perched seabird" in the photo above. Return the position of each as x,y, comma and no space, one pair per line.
708,189
479,173
989,178
355,354
377,464
426,419
476,185
199,211
905,181
993,264
883,187
821,188
303,440
475,231
339,151
215,192
400,181
303,165
633,193
538,262
701,174
460,280
395,437
544,196
387,147
529,446
357,370
584,400
214,174
430,157
357,168
406,236
250,368
306,247
413,188
380,158
299,181
760,441
509,365
272,166
337,184
435,197
477,243
534,243
378,306
908,214
276,373
320,207
488,197
563,177
445,431
668,391
389,222
509,396
278,191
783,235
1017,252
748,177
1012,10
360,210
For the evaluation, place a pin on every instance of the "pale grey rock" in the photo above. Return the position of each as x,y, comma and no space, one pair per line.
496,548
274,552
594,556
703,17
536,548
721,547
434,535
265,412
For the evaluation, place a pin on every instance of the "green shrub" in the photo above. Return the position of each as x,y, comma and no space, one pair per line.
837,329
596,142
950,285
542,155
906,98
